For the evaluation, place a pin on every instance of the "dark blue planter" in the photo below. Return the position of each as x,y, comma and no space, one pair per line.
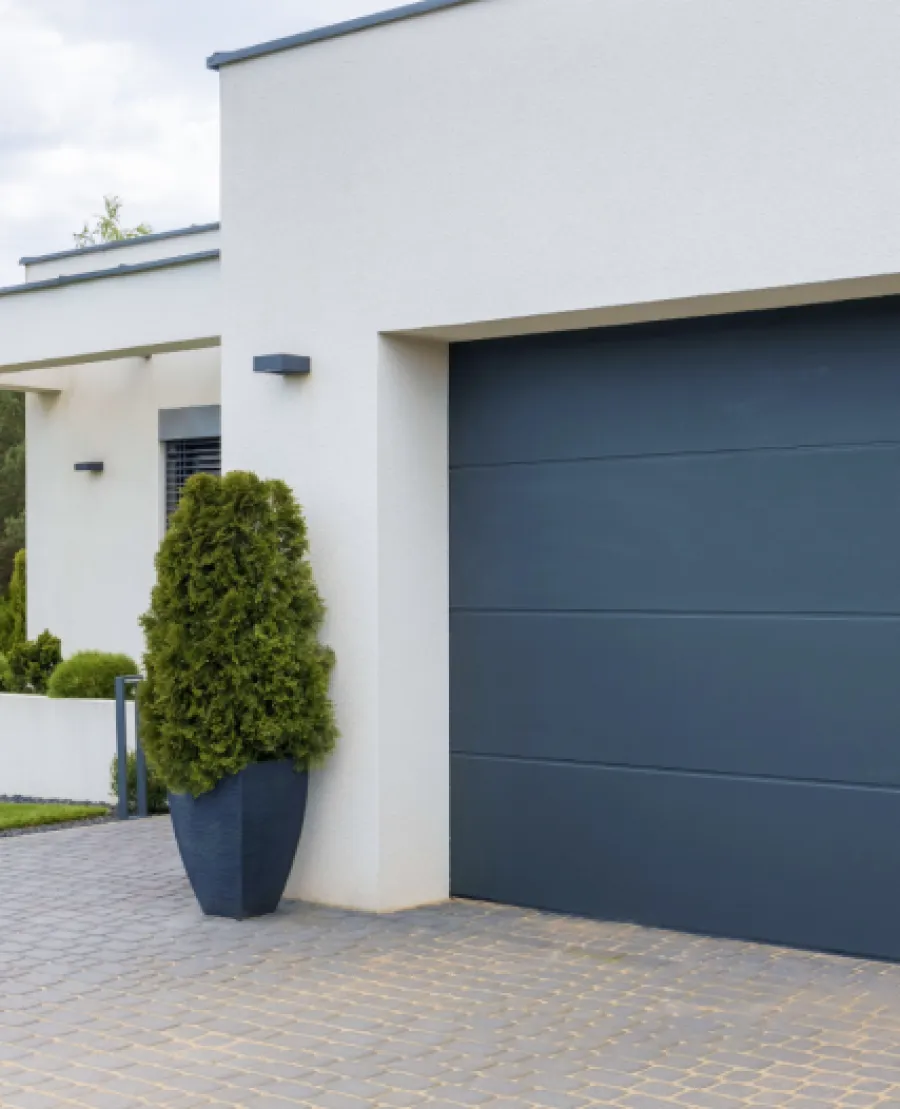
238,841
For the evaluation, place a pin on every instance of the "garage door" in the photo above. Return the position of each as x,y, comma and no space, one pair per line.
675,626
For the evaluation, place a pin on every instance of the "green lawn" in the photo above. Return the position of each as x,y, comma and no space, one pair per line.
31,816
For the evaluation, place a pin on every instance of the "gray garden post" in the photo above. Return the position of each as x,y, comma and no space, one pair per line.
122,685
122,749
142,805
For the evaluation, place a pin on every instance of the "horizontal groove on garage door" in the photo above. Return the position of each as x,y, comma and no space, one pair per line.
812,783
674,614
806,448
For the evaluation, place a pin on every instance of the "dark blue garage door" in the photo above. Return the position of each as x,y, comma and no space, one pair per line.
675,626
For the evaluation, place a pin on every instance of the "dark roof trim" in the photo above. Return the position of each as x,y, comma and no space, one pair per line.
336,30
138,240
116,271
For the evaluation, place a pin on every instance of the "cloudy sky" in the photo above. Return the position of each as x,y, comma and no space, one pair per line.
112,96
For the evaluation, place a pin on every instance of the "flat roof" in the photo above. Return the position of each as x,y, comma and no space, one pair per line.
136,240
335,30
115,271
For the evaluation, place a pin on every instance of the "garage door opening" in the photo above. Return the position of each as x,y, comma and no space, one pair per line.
675,624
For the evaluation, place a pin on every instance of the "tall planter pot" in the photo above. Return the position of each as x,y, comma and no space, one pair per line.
238,841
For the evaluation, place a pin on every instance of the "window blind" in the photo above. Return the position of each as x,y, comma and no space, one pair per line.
184,458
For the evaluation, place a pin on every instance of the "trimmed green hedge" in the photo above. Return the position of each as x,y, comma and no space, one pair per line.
235,672
90,674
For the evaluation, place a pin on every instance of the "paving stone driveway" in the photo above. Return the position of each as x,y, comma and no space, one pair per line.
116,993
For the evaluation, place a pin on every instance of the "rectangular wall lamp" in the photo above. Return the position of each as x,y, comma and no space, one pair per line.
89,467
285,364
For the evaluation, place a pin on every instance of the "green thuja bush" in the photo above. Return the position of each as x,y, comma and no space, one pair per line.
6,678
90,674
18,599
32,662
235,672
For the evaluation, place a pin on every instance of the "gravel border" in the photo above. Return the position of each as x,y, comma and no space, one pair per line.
17,799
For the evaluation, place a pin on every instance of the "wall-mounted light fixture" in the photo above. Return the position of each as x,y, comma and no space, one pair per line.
89,467
285,364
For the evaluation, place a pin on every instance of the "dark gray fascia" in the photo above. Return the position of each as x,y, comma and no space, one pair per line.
202,421
281,364
335,30
138,240
116,271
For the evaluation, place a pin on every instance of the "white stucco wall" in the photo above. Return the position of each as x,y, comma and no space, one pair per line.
171,307
507,160
92,538
58,749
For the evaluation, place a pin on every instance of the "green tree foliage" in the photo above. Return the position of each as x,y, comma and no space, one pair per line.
6,678
108,227
6,627
14,531
31,663
14,606
90,674
12,481
235,672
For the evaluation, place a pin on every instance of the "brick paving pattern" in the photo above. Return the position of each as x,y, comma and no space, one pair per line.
115,993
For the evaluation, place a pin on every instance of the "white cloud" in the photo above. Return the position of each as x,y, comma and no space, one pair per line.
101,96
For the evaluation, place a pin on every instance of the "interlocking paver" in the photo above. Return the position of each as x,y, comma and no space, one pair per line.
115,993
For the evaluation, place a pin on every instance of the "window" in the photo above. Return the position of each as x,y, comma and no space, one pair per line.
186,457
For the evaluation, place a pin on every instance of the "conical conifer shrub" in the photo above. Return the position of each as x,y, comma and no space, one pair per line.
235,672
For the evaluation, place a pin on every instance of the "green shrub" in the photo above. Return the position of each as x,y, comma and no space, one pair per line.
6,678
235,672
33,661
89,674
157,797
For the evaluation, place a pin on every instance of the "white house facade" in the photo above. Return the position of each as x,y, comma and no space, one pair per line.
597,447
106,339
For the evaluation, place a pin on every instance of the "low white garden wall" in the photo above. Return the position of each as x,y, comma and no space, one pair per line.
58,748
